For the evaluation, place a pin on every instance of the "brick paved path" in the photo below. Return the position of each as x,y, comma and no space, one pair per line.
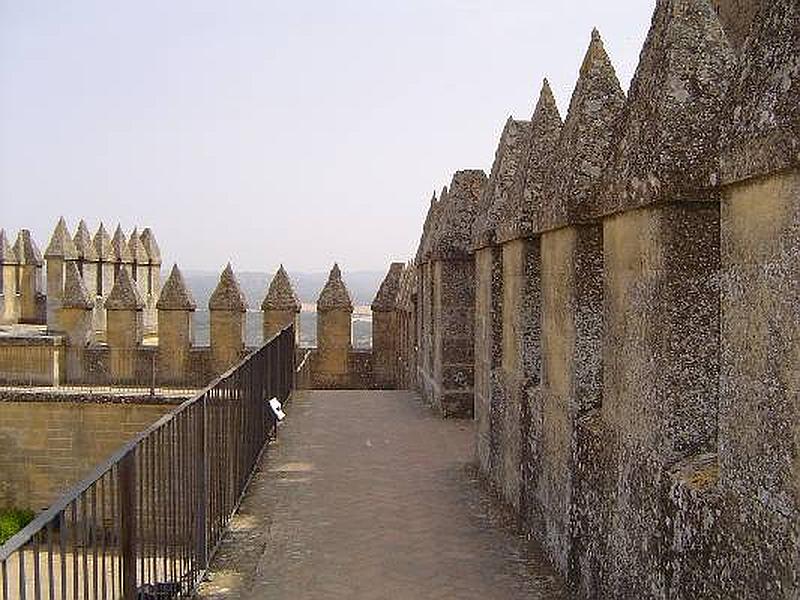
367,495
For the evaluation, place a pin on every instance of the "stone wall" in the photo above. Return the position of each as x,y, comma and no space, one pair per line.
636,285
47,447
357,376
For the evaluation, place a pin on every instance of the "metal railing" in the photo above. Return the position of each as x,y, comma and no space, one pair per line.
145,523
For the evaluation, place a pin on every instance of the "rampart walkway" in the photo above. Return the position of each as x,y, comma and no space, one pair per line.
367,495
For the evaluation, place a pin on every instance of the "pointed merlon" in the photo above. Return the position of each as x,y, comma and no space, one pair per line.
521,212
122,253
7,254
586,141
61,244
228,295
334,296
509,159
436,212
75,293
151,245
386,298
423,240
125,294
138,253
453,238
26,250
102,245
668,139
280,295
84,244
175,295
762,132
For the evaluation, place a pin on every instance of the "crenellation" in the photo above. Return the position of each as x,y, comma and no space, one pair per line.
281,306
228,307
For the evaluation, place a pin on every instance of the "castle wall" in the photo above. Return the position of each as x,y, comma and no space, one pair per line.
385,342
9,301
47,447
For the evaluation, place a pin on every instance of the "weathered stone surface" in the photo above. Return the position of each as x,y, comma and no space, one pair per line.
61,244
75,293
102,244
386,297
762,132
452,238
280,295
520,215
151,246
175,295
124,295
227,296
669,132
737,17
26,250
121,250
84,246
137,250
509,160
334,295
585,144
427,229
7,254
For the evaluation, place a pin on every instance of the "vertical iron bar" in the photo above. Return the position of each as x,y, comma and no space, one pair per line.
126,484
200,487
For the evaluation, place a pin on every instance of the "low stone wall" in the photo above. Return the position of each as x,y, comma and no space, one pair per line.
359,374
49,442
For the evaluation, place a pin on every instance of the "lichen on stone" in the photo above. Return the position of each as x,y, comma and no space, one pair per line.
84,244
175,295
122,253
280,295
228,294
452,237
26,250
76,295
7,254
137,250
386,298
102,244
520,213
124,294
151,246
61,244
334,296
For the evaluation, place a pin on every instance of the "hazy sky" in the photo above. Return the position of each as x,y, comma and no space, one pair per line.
262,132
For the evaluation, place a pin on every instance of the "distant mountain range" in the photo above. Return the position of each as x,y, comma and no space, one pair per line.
363,285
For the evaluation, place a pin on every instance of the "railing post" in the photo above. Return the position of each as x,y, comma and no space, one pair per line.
201,498
126,481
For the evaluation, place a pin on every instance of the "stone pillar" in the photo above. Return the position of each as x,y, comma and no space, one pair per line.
385,330
334,342
87,258
123,259
152,287
76,309
60,250
175,334
9,300
105,278
32,307
124,331
228,312
280,307
759,421
453,279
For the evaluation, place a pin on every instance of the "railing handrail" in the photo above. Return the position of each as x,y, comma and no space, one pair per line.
22,537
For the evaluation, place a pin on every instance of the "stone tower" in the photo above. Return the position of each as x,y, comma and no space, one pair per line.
175,334
385,334
76,308
124,327
334,333
105,277
152,288
60,250
280,306
9,265
32,307
228,309
87,257
453,299
123,259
